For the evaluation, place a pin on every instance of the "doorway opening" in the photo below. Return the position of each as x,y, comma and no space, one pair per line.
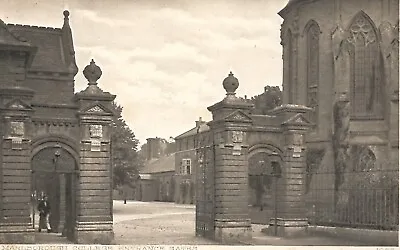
264,174
54,173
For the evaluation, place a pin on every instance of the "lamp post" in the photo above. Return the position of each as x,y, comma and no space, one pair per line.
57,154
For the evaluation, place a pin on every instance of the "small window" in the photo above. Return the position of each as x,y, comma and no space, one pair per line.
186,167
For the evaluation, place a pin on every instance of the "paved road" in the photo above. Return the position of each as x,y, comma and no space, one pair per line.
158,223
168,223
138,223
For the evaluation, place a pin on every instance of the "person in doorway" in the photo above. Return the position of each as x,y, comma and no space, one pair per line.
44,213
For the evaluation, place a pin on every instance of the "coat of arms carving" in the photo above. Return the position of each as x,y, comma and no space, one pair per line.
237,136
298,139
96,131
238,116
17,129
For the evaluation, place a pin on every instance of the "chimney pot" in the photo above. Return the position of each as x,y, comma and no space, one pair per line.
199,122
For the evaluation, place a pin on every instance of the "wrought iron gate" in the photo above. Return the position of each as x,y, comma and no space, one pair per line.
205,192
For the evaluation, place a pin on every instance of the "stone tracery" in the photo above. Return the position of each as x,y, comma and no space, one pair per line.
366,80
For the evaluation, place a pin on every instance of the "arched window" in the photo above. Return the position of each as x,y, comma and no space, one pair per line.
312,39
288,66
366,69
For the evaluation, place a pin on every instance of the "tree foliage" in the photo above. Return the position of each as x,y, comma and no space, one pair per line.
166,147
125,158
270,99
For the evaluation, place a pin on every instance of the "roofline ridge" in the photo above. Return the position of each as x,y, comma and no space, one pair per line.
33,26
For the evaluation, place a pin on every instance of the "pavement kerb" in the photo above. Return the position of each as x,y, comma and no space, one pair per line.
374,237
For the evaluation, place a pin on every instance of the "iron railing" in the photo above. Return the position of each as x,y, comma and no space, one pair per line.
364,199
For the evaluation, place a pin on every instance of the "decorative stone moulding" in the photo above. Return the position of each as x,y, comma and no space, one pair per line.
95,145
16,143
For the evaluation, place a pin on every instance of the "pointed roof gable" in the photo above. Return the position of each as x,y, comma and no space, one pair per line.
297,120
17,104
238,115
97,108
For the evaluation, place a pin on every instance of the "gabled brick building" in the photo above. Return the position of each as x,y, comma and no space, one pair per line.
186,161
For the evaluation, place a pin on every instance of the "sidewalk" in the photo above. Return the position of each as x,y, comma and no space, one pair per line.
50,238
260,238
142,223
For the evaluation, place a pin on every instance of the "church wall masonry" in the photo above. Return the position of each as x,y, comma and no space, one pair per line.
334,71
352,47
297,17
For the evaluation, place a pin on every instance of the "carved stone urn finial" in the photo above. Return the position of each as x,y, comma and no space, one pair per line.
230,84
92,73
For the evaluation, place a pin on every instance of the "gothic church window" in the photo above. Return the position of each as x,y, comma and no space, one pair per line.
366,79
312,40
288,66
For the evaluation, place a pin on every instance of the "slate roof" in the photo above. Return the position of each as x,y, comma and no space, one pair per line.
163,164
8,38
53,46
202,128
49,56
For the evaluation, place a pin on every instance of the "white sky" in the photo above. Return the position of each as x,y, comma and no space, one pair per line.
166,60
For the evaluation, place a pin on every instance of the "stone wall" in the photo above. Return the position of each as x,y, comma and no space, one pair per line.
184,184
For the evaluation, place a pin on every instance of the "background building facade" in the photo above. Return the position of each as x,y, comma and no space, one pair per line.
340,58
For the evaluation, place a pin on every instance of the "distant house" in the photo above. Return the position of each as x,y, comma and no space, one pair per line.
157,180
186,162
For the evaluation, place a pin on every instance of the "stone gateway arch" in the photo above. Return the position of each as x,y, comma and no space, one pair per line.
222,176
54,142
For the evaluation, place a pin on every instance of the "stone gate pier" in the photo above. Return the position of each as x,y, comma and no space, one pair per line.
236,135
291,207
229,128
94,221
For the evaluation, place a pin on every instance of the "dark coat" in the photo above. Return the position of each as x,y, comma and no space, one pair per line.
44,208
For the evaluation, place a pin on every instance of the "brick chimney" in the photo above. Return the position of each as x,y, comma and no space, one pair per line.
153,148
